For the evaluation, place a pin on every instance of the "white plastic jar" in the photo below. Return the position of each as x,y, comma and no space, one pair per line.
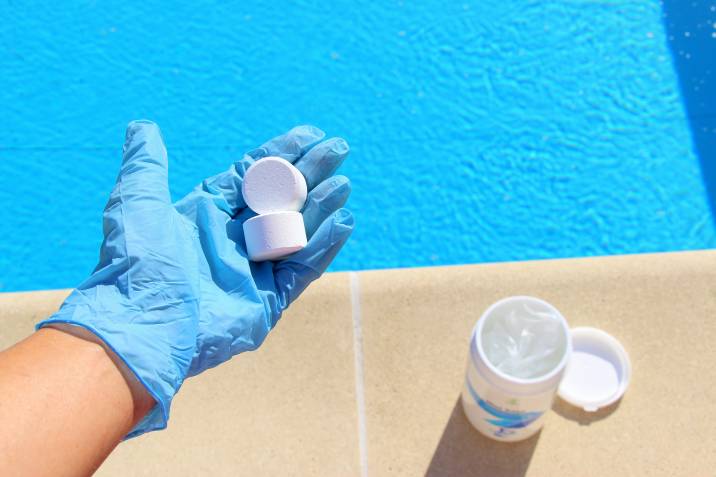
505,407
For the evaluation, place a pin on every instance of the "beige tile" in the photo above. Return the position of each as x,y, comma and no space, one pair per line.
286,409
289,408
20,311
416,326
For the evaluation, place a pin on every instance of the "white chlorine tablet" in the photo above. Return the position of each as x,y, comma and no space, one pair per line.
276,191
274,236
273,184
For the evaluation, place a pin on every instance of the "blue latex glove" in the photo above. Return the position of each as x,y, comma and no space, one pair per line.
174,292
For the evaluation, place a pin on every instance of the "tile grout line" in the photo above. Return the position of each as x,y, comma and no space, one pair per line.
360,389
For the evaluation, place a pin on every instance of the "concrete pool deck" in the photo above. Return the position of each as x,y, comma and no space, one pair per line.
362,377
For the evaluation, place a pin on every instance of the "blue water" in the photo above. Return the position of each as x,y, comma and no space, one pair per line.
481,130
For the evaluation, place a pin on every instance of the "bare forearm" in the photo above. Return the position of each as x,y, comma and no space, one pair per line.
64,405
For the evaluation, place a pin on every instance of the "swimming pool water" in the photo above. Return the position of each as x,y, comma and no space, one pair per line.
480,130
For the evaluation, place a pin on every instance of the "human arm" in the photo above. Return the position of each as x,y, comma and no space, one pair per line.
65,403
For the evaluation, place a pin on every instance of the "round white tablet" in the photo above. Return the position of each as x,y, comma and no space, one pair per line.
273,184
274,236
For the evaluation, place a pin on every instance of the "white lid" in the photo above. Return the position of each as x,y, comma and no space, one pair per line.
598,371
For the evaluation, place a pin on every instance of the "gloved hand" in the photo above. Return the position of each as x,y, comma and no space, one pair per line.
174,292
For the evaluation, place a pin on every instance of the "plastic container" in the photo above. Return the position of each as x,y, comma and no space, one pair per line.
501,406
594,372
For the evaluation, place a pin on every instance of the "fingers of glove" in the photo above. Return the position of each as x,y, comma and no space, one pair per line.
290,146
295,273
226,187
322,160
145,172
327,197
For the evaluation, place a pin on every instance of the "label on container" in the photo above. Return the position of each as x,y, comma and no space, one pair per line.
504,419
501,414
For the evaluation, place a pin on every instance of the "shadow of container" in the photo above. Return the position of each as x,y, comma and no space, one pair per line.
463,451
691,35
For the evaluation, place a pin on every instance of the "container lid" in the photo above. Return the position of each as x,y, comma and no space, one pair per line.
598,371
